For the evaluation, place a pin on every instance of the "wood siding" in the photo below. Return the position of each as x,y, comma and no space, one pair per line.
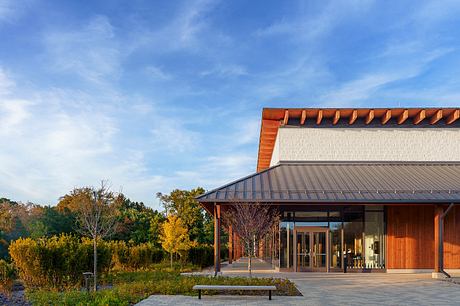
452,239
410,238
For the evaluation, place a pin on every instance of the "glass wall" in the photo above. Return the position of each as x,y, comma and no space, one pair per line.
374,237
356,235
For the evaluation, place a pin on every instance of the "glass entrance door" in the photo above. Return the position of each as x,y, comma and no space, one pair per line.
303,251
312,250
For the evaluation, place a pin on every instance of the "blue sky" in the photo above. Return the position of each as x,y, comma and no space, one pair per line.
156,95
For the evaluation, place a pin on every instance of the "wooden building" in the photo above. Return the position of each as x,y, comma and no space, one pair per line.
372,190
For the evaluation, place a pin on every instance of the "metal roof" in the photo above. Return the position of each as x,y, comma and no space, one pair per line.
347,182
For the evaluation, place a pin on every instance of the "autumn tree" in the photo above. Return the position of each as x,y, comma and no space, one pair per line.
174,237
183,204
251,222
97,211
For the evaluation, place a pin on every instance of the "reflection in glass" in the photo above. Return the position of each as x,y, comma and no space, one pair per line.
353,239
335,234
374,239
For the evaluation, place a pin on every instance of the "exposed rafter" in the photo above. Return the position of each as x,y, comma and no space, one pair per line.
453,117
403,117
286,117
420,116
370,116
436,117
353,117
273,118
303,117
336,117
386,117
319,117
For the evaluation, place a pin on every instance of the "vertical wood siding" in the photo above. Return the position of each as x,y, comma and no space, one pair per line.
410,237
452,239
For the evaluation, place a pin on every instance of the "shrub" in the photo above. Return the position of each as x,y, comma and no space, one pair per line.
133,257
56,262
202,256
136,286
7,276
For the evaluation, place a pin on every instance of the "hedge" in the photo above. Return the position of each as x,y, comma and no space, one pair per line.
57,262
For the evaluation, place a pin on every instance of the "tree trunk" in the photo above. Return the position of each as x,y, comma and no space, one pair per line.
249,260
171,260
95,262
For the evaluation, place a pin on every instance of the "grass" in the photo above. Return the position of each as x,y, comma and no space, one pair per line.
132,287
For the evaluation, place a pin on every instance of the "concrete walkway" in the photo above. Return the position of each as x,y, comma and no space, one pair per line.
332,289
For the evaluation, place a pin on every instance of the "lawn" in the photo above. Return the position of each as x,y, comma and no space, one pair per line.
128,288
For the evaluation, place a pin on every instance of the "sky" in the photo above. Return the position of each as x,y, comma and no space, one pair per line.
158,95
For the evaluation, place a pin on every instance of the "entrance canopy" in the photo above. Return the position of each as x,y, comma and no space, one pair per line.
344,182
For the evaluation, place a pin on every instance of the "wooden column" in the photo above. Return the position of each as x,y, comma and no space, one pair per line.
216,238
230,244
438,240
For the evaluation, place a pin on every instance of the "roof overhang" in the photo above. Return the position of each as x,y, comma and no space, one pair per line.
347,183
274,118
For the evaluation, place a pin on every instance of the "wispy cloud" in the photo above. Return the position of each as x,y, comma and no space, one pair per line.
91,52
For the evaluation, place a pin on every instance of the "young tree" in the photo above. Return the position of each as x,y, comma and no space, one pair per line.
174,237
251,222
183,204
96,215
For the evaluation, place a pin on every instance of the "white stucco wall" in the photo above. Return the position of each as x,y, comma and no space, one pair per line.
366,144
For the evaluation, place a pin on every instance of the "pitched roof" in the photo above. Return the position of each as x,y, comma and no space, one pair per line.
347,182
274,118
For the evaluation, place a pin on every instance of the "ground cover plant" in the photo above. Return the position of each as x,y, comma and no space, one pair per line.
127,288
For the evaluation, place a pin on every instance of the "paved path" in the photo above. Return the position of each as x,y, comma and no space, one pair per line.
336,289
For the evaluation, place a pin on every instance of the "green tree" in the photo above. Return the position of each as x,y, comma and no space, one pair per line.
135,222
156,224
183,204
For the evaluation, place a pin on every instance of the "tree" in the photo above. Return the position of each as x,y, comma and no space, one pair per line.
183,204
97,211
174,237
135,221
251,222
156,224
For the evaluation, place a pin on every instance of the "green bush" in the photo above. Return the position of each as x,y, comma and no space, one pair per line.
57,262
7,276
202,256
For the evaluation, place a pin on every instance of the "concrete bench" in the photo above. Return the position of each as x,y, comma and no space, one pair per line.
228,288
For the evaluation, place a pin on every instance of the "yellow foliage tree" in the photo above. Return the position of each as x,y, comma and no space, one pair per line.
174,236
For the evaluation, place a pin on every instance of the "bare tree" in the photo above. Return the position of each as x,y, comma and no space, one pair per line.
96,215
251,222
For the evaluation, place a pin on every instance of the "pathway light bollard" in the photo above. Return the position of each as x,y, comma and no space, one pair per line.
88,276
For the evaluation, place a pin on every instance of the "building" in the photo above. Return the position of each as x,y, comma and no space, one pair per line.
371,190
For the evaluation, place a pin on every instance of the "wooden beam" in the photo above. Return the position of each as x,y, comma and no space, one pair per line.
370,116
320,117
403,117
453,117
420,116
436,117
303,117
386,117
336,117
286,117
353,117
216,239
438,210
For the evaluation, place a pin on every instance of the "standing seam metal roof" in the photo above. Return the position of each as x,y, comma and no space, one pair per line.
345,182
